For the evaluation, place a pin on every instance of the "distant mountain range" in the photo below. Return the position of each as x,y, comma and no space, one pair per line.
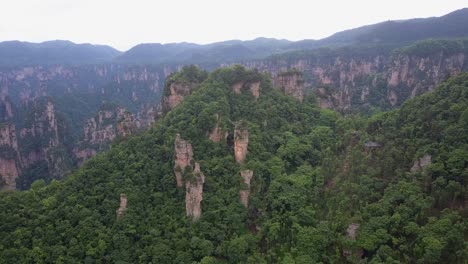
397,33
54,52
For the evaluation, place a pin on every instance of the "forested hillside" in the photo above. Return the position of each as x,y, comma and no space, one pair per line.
239,172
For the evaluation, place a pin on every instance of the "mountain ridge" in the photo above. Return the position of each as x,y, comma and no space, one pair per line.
398,33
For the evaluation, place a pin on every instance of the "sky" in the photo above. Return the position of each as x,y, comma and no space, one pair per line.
126,23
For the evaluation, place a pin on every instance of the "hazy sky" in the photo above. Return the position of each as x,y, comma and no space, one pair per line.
123,24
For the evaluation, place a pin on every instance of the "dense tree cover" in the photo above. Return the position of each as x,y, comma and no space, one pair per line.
315,173
190,74
435,46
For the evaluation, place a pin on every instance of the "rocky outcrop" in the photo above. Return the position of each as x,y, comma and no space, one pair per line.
291,83
421,163
183,158
194,193
237,87
188,171
245,190
241,143
123,205
253,87
176,93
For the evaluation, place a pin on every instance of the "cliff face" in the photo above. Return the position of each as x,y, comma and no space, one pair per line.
9,159
291,83
346,79
105,127
57,118
419,74
37,143
109,124
42,138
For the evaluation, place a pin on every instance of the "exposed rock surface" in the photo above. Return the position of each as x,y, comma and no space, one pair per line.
123,205
194,193
255,89
184,158
421,163
358,80
8,136
292,84
241,143
177,92
237,87
102,129
9,157
245,192
44,128
188,171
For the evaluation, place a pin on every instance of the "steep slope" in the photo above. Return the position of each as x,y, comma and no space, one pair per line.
285,182
71,111
53,52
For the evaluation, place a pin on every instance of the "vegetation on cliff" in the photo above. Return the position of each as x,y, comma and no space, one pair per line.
325,188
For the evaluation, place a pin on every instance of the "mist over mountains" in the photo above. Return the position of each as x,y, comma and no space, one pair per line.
395,33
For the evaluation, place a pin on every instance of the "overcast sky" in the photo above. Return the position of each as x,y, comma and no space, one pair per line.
123,24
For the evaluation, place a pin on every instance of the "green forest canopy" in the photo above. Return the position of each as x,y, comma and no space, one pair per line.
315,175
